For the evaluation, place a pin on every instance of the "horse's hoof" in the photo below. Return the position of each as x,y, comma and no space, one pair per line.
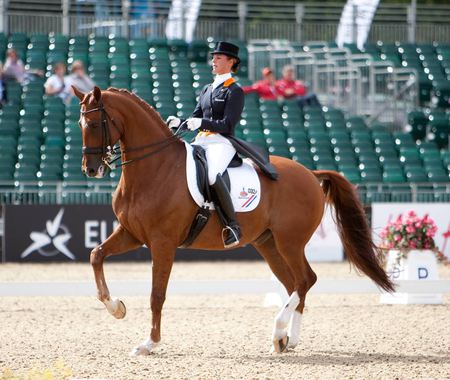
144,349
121,311
280,345
292,343
140,351
116,308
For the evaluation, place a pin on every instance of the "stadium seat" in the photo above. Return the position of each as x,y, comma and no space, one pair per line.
40,138
417,125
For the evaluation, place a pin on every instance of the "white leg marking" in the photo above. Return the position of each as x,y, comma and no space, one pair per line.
294,329
283,317
145,348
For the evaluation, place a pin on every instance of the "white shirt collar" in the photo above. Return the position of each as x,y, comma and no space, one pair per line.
219,79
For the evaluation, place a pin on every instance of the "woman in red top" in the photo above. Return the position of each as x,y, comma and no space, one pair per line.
265,88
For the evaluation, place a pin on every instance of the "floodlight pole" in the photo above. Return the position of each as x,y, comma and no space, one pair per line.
3,16
65,17
299,13
355,24
242,10
126,18
412,15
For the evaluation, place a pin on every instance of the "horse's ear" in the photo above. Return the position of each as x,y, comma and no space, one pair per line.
97,94
78,93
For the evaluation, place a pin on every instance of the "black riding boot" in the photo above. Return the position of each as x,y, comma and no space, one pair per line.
231,232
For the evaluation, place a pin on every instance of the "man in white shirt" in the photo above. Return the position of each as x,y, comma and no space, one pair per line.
13,68
79,78
55,84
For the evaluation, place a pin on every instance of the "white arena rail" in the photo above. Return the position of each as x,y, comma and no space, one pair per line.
212,287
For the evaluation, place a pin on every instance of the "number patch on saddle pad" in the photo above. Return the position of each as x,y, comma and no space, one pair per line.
245,185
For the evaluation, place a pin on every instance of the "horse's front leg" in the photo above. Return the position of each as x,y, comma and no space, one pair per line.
118,242
162,257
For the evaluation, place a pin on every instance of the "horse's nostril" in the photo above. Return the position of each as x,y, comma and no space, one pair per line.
91,172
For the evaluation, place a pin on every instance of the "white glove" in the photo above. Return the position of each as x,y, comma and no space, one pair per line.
194,123
173,122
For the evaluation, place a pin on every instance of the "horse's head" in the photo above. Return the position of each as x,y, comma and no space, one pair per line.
99,136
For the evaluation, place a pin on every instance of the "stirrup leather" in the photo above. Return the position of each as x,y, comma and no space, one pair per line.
232,235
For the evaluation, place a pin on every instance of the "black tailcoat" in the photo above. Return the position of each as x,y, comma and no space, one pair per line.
220,110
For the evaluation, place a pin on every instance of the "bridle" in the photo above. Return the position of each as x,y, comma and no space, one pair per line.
110,154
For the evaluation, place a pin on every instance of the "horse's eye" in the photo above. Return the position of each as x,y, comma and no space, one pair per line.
91,124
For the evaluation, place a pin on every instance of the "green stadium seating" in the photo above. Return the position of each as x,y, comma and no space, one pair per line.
40,138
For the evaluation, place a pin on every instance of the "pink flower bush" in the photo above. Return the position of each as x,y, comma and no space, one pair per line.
409,232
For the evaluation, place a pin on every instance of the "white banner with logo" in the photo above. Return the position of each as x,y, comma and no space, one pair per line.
382,213
362,20
182,19
325,244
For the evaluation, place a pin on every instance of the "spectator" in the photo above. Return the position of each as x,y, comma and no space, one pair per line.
14,68
3,97
289,88
55,84
265,88
79,78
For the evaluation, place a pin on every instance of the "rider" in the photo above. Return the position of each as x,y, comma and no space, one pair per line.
218,110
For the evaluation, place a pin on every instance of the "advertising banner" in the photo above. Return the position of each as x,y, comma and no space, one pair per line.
56,233
69,232
362,21
382,213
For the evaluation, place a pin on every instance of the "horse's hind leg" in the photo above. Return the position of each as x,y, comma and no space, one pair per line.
282,271
308,280
304,279
118,242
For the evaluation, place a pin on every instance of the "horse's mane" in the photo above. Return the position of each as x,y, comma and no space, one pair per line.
142,103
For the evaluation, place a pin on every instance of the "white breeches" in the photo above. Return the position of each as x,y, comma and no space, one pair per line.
219,153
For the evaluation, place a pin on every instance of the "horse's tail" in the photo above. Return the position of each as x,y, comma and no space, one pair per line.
353,227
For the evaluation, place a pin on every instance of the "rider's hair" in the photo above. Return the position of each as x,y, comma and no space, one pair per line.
235,66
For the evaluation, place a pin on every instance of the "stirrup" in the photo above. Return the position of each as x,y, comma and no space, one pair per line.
232,234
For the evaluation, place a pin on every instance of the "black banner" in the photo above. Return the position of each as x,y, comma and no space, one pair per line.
69,232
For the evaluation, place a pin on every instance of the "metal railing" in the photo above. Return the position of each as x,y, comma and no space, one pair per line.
51,192
355,83
101,192
234,19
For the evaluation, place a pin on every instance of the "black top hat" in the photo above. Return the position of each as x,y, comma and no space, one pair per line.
227,48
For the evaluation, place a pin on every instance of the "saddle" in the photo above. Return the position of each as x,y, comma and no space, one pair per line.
203,214
201,166
240,178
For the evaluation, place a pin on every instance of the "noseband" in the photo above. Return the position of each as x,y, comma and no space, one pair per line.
106,147
109,154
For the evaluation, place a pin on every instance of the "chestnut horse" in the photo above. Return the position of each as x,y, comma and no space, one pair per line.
153,206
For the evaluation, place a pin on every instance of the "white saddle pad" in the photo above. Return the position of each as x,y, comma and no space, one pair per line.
245,186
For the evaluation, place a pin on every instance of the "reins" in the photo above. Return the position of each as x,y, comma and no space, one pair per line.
111,154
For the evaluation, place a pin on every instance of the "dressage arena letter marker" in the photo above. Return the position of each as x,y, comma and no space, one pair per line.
422,273
419,265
